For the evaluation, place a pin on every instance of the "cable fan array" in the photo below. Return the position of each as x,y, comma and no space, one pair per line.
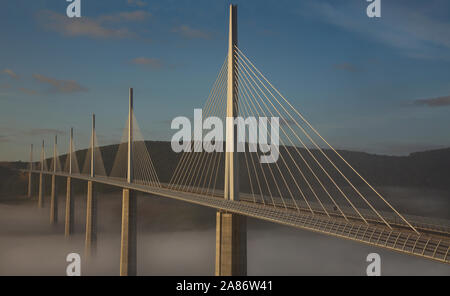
143,169
202,172
309,176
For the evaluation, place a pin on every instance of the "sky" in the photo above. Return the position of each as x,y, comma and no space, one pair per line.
380,85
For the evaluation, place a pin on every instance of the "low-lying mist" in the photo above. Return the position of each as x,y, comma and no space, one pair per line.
176,238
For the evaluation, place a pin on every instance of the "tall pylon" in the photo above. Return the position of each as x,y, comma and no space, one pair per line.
231,232
69,219
54,189
91,206
128,243
231,190
41,178
30,187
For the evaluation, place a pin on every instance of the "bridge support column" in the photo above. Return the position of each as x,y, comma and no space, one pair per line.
41,191
128,245
41,179
91,220
54,193
30,193
30,176
231,232
231,245
69,221
54,202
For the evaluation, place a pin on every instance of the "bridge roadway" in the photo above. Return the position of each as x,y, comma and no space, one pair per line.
432,243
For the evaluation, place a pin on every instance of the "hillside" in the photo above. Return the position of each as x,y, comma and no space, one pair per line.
429,169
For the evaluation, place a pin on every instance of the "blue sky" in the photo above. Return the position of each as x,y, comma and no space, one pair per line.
375,85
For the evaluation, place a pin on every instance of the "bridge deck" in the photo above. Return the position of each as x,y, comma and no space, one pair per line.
431,243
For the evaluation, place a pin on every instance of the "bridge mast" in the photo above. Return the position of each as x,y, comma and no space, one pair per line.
53,195
91,207
68,229
41,184
231,233
70,150
93,146
29,174
128,243
130,138
231,190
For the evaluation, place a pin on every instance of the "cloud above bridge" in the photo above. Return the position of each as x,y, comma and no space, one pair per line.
28,91
60,86
101,27
138,3
188,32
434,102
151,63
347,67
11,74
44,131
413,28
128,16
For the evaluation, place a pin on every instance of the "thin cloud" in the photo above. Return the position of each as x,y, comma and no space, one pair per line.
44,131
4,139
346,67
132,16
28,91
138,3
11,73
5,86
417,35
60,86
9,134
190,33
434,102
98,28
151,63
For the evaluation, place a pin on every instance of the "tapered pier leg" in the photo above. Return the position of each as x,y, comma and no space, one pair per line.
128,245
69,223
41,191
30,193
231,231
29,173
231,245
91,220
54,202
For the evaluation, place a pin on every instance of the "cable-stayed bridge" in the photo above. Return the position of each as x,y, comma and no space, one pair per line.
311,186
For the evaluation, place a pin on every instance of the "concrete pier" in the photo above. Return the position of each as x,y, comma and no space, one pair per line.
91,221
30,188
69,221
128,243
54,202
54,192
41,191
231,229
231,245
91,205
41,179
128,248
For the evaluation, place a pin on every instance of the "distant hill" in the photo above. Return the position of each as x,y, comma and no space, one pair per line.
428,169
